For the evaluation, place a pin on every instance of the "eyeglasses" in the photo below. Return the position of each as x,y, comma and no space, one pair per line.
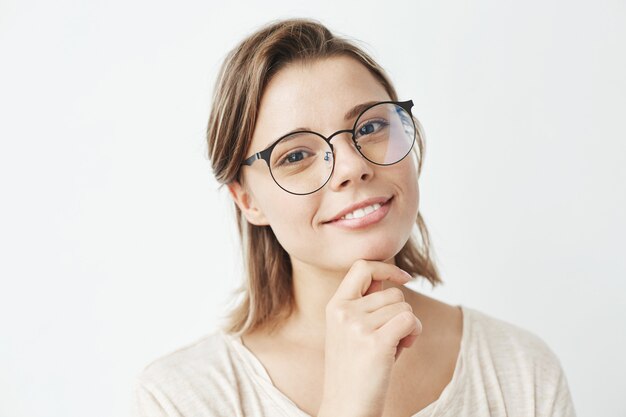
303,161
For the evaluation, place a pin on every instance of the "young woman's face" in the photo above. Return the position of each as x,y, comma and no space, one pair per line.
316,97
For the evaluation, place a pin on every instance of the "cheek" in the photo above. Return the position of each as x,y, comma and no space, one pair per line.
407,181
412,185
404,174
291,222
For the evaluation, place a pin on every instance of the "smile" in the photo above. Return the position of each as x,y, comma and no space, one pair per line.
363,217
358,213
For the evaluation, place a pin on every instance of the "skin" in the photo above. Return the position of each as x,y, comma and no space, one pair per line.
322,254
316,96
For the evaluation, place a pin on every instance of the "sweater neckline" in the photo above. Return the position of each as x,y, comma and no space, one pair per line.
258,372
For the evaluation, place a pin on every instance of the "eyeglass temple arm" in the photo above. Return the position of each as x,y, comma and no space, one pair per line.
251,160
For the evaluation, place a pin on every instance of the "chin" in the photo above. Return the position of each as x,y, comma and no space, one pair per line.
379,251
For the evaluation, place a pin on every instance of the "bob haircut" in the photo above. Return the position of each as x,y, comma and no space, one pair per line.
267,286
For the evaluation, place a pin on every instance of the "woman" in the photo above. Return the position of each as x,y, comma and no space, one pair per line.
321,159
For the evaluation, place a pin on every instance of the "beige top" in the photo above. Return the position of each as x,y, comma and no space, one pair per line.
501,370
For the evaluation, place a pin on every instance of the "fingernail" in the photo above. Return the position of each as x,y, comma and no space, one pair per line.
409,276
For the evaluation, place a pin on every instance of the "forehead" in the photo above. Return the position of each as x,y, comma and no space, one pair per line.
314,95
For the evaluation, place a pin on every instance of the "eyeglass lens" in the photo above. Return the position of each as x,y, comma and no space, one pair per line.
302,163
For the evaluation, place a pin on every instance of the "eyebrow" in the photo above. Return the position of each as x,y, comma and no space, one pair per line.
356,110
350,114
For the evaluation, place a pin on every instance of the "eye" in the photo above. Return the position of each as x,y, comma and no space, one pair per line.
371,126
293,158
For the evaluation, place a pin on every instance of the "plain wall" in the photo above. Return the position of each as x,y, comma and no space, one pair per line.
117,247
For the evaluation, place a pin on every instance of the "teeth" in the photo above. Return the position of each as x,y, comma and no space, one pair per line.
358,213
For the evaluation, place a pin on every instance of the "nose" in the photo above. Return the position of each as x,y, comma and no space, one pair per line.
350,166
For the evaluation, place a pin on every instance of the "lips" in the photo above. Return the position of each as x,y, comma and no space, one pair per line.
363,203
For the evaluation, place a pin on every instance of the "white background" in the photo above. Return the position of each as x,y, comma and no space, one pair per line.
117,247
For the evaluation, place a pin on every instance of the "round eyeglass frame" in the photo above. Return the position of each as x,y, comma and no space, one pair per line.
267,152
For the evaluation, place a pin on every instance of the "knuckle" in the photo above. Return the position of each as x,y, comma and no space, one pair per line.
359,265
407,316
359,328
396,294
406,306
341,314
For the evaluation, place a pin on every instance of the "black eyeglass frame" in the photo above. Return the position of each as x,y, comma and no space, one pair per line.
267,152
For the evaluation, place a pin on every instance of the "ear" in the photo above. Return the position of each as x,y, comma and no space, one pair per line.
247,204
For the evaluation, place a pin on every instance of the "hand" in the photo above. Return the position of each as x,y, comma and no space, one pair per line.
366,330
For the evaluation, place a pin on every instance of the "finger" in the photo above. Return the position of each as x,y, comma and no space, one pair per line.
374,287
398,352
377,318
408,341
361,275
377,300
400,326
405,343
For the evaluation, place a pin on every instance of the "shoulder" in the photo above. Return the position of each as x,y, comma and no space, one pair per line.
193,379
514,354
504,338
525,370
206,355
484,335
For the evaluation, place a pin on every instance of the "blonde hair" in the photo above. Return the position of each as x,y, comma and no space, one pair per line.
267,288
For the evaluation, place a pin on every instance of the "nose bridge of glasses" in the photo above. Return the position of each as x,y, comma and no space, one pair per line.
338,133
